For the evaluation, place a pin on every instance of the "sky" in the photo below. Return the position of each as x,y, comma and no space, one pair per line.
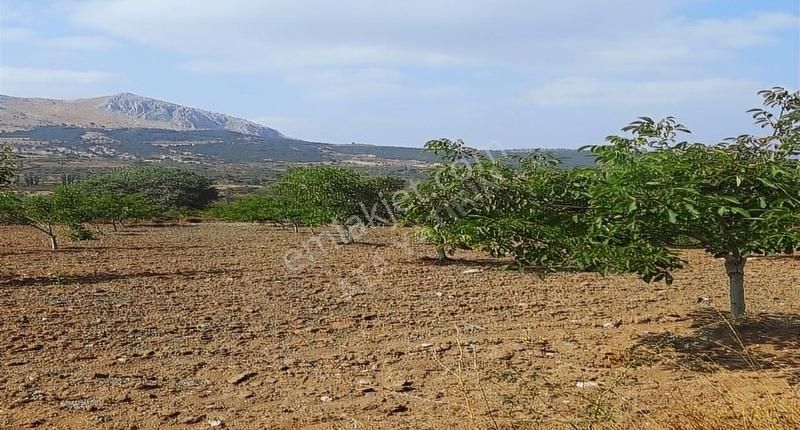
496,73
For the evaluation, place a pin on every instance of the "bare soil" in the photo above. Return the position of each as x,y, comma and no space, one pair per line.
204,326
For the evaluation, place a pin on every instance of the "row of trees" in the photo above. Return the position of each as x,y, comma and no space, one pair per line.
650,192
319,195
130,193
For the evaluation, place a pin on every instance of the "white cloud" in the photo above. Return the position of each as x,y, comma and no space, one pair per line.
43,82
79,42
334,83
254,35
24,35
575,91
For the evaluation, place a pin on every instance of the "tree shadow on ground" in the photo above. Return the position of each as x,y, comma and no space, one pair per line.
358,244
97,278
78,249
484,264
764,341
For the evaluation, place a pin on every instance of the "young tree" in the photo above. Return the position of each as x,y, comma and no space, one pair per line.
118,209
323,195
65,206
465,188
734,199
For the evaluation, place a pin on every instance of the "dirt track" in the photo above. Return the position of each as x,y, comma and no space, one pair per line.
154,327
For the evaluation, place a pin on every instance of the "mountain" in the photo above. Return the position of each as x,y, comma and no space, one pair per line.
124,110
60,139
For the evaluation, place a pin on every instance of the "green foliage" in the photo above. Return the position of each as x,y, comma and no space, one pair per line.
739,197
65,206
162,188
317,195
117,209
649,192
460,197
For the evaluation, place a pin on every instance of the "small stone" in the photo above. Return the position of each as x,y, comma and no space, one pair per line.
612,324
216,423
503,355
146,386
241,377
471,271
36,423
326,399
404,387
425,345
396,409
193,419
587,384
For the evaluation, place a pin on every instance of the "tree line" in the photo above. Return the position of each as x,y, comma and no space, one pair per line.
650,193
133,193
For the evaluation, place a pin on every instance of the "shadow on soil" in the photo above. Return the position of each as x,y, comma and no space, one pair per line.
79,249
96,278
765,341
487,264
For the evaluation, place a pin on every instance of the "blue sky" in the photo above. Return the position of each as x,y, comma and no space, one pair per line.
499,74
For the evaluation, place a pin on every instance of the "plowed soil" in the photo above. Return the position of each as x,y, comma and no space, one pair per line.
205,326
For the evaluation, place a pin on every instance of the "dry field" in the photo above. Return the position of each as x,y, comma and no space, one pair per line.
203,326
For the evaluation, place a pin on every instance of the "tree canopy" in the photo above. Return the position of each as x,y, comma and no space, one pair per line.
649,192
319,195
163,188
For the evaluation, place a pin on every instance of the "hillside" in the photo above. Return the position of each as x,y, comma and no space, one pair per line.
124,110
80,137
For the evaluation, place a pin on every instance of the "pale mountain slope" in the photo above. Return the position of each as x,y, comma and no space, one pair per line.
123,110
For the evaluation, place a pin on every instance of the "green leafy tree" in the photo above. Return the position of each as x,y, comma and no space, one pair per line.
454,196
163,188
118,209
65,206
322,195
734,199
319,195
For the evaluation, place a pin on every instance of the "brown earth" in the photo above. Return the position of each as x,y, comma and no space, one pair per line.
202,326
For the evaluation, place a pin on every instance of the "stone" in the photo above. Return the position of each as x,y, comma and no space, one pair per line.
396,409
216,423
146,386
241,377
193,419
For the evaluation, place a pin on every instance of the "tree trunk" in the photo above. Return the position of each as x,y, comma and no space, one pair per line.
312,230
347,237
441,255
53,241
295,227
734,266
114,224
